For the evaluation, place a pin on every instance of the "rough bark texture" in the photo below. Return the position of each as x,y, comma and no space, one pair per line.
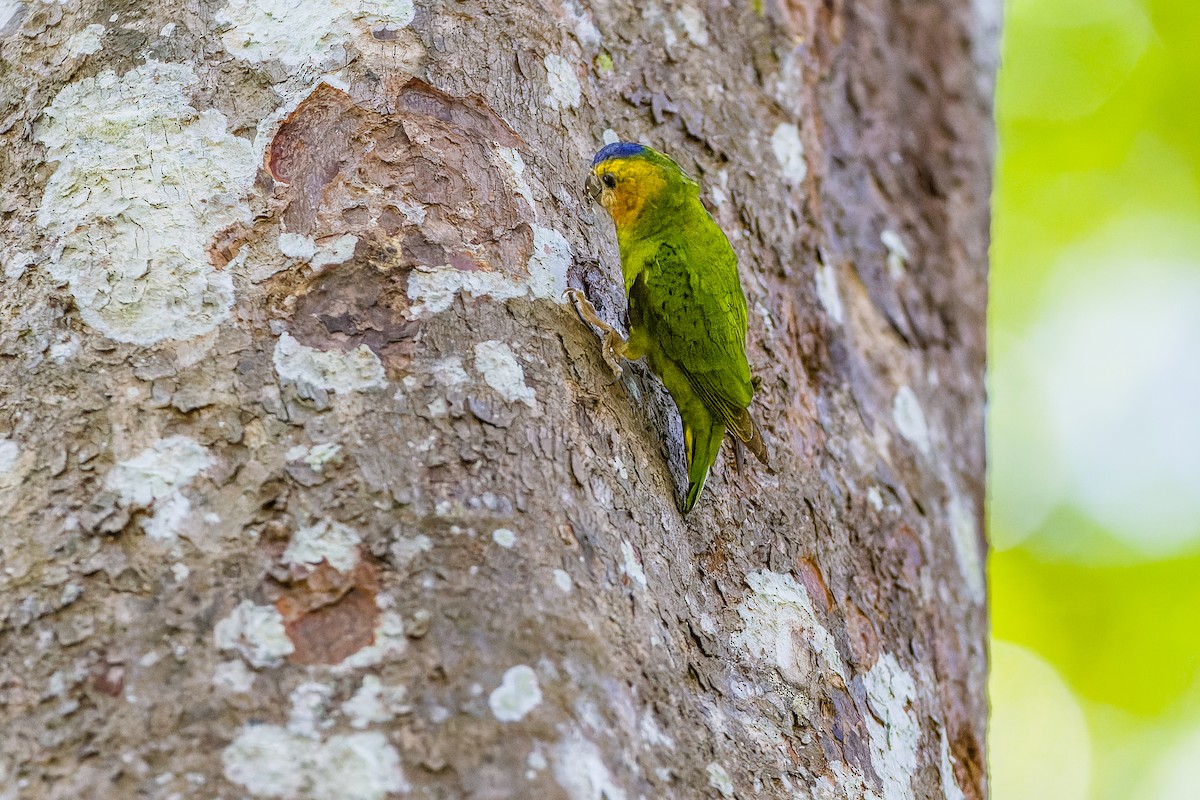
312,487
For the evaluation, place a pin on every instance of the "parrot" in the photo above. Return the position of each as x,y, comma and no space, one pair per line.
686,310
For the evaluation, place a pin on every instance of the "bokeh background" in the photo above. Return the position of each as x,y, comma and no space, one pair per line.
1094,393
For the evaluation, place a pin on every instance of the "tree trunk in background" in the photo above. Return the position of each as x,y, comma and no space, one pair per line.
313,488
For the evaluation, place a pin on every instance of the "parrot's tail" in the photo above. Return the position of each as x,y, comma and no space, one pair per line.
702,442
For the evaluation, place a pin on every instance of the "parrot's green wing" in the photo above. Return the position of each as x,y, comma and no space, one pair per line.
691,302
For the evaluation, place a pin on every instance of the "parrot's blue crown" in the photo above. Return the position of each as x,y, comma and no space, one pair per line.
618,150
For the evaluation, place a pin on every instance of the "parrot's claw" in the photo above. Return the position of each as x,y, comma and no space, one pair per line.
609,351
612,342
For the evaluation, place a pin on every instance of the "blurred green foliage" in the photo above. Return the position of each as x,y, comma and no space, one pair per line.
1098,190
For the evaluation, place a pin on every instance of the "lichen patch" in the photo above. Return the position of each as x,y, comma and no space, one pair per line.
376,702
565,89
964,530
910,419
896,733
256,633
433,290
355,371
143,183
517,694
308,35
780,624
272,761
501,370
789,152
827,293
327,541
718,778
154,479
581,772
897,253
86,42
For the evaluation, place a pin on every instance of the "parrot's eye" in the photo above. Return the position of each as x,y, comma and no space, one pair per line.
609,181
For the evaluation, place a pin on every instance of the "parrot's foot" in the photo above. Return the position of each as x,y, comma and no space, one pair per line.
613,344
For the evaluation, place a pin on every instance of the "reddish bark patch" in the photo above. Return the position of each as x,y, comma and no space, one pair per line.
332,633
329,615
864,635
810,576
360,302
108,679
970,769
904,556
420,184
426,174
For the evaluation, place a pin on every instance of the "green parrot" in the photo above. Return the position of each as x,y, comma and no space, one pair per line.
687,313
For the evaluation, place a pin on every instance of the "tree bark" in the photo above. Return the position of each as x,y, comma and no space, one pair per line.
312,487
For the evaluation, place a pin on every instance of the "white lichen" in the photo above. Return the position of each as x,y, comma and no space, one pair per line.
10,451
406,548
8,12
895,740
233,676
356,370
449,372
718,778
950,787
337,251
585,30
272,761
897,253
309,713
843,781
327,541
375,702
779,623
580,770
256,633
719,189
652,734
154,479
15,262
511,158
86,42
501,370
789,152
297,246
691,19
562,580
565,90
609,136
305,35
964,530
504,537
875,498
910,419
431,290
169,515
632,566
318,456
144,182
827,293
389,641
547,266
517,694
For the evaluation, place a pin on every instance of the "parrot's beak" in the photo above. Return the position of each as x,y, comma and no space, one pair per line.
592,187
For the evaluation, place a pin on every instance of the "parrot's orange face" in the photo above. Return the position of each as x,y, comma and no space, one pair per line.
624,181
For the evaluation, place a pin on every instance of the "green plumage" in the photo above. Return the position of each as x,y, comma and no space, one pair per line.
687,312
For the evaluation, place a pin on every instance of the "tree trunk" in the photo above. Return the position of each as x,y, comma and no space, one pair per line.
313,487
